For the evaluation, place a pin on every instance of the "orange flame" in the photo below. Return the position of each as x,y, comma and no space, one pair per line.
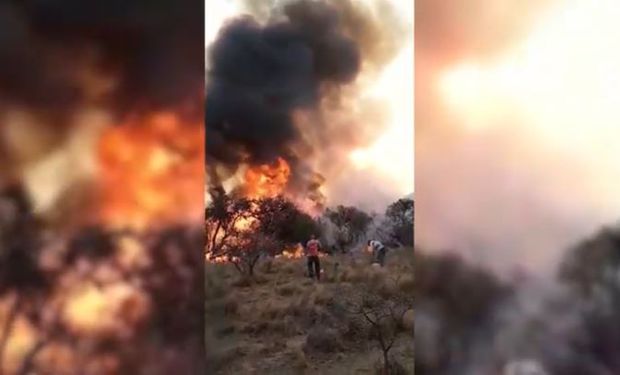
295,252
221,259
151,171
267,180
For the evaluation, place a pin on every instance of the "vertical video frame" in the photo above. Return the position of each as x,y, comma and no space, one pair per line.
517,179
309,196
101,187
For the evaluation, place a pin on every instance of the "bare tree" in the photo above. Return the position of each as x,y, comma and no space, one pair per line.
249,248
381,308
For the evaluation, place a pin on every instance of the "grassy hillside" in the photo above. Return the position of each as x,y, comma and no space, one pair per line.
283,322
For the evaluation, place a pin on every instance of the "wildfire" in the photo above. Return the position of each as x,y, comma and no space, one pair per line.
264,181
295,252
245,224
109,311
267,180
221,259
151,171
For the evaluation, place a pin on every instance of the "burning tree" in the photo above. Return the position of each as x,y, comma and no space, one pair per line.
96,297
242,230
225,217
85,281
249,247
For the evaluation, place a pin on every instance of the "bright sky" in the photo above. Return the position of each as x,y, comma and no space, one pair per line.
392,154
215,13
563,80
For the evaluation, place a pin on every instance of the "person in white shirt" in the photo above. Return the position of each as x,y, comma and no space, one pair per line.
378,251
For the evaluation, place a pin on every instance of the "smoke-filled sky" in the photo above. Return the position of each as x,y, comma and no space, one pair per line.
362,141
56,57
518,106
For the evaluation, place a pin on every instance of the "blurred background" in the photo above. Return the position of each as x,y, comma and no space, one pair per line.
101,185
516,120
309,131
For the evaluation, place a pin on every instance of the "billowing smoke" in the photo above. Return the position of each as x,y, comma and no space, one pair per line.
57,56
528,326
260,75
285,84
491,182
511,186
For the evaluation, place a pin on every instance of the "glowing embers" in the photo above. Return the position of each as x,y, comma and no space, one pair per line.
113,310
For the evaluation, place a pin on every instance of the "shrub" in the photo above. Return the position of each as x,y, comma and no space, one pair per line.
323,340
288,290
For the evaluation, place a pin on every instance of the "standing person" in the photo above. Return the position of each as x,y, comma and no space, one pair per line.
378,251
312,251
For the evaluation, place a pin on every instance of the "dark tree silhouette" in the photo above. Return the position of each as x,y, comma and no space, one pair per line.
592,270
280,218
462,298
223,217
351,224
381,308
399,226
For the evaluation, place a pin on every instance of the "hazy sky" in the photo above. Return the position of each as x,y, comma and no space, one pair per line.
517,150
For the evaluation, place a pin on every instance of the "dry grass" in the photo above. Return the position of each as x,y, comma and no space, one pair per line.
289,289
323,340
298,359
285,322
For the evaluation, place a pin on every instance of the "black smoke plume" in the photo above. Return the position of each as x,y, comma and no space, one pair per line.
150,52
261,74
